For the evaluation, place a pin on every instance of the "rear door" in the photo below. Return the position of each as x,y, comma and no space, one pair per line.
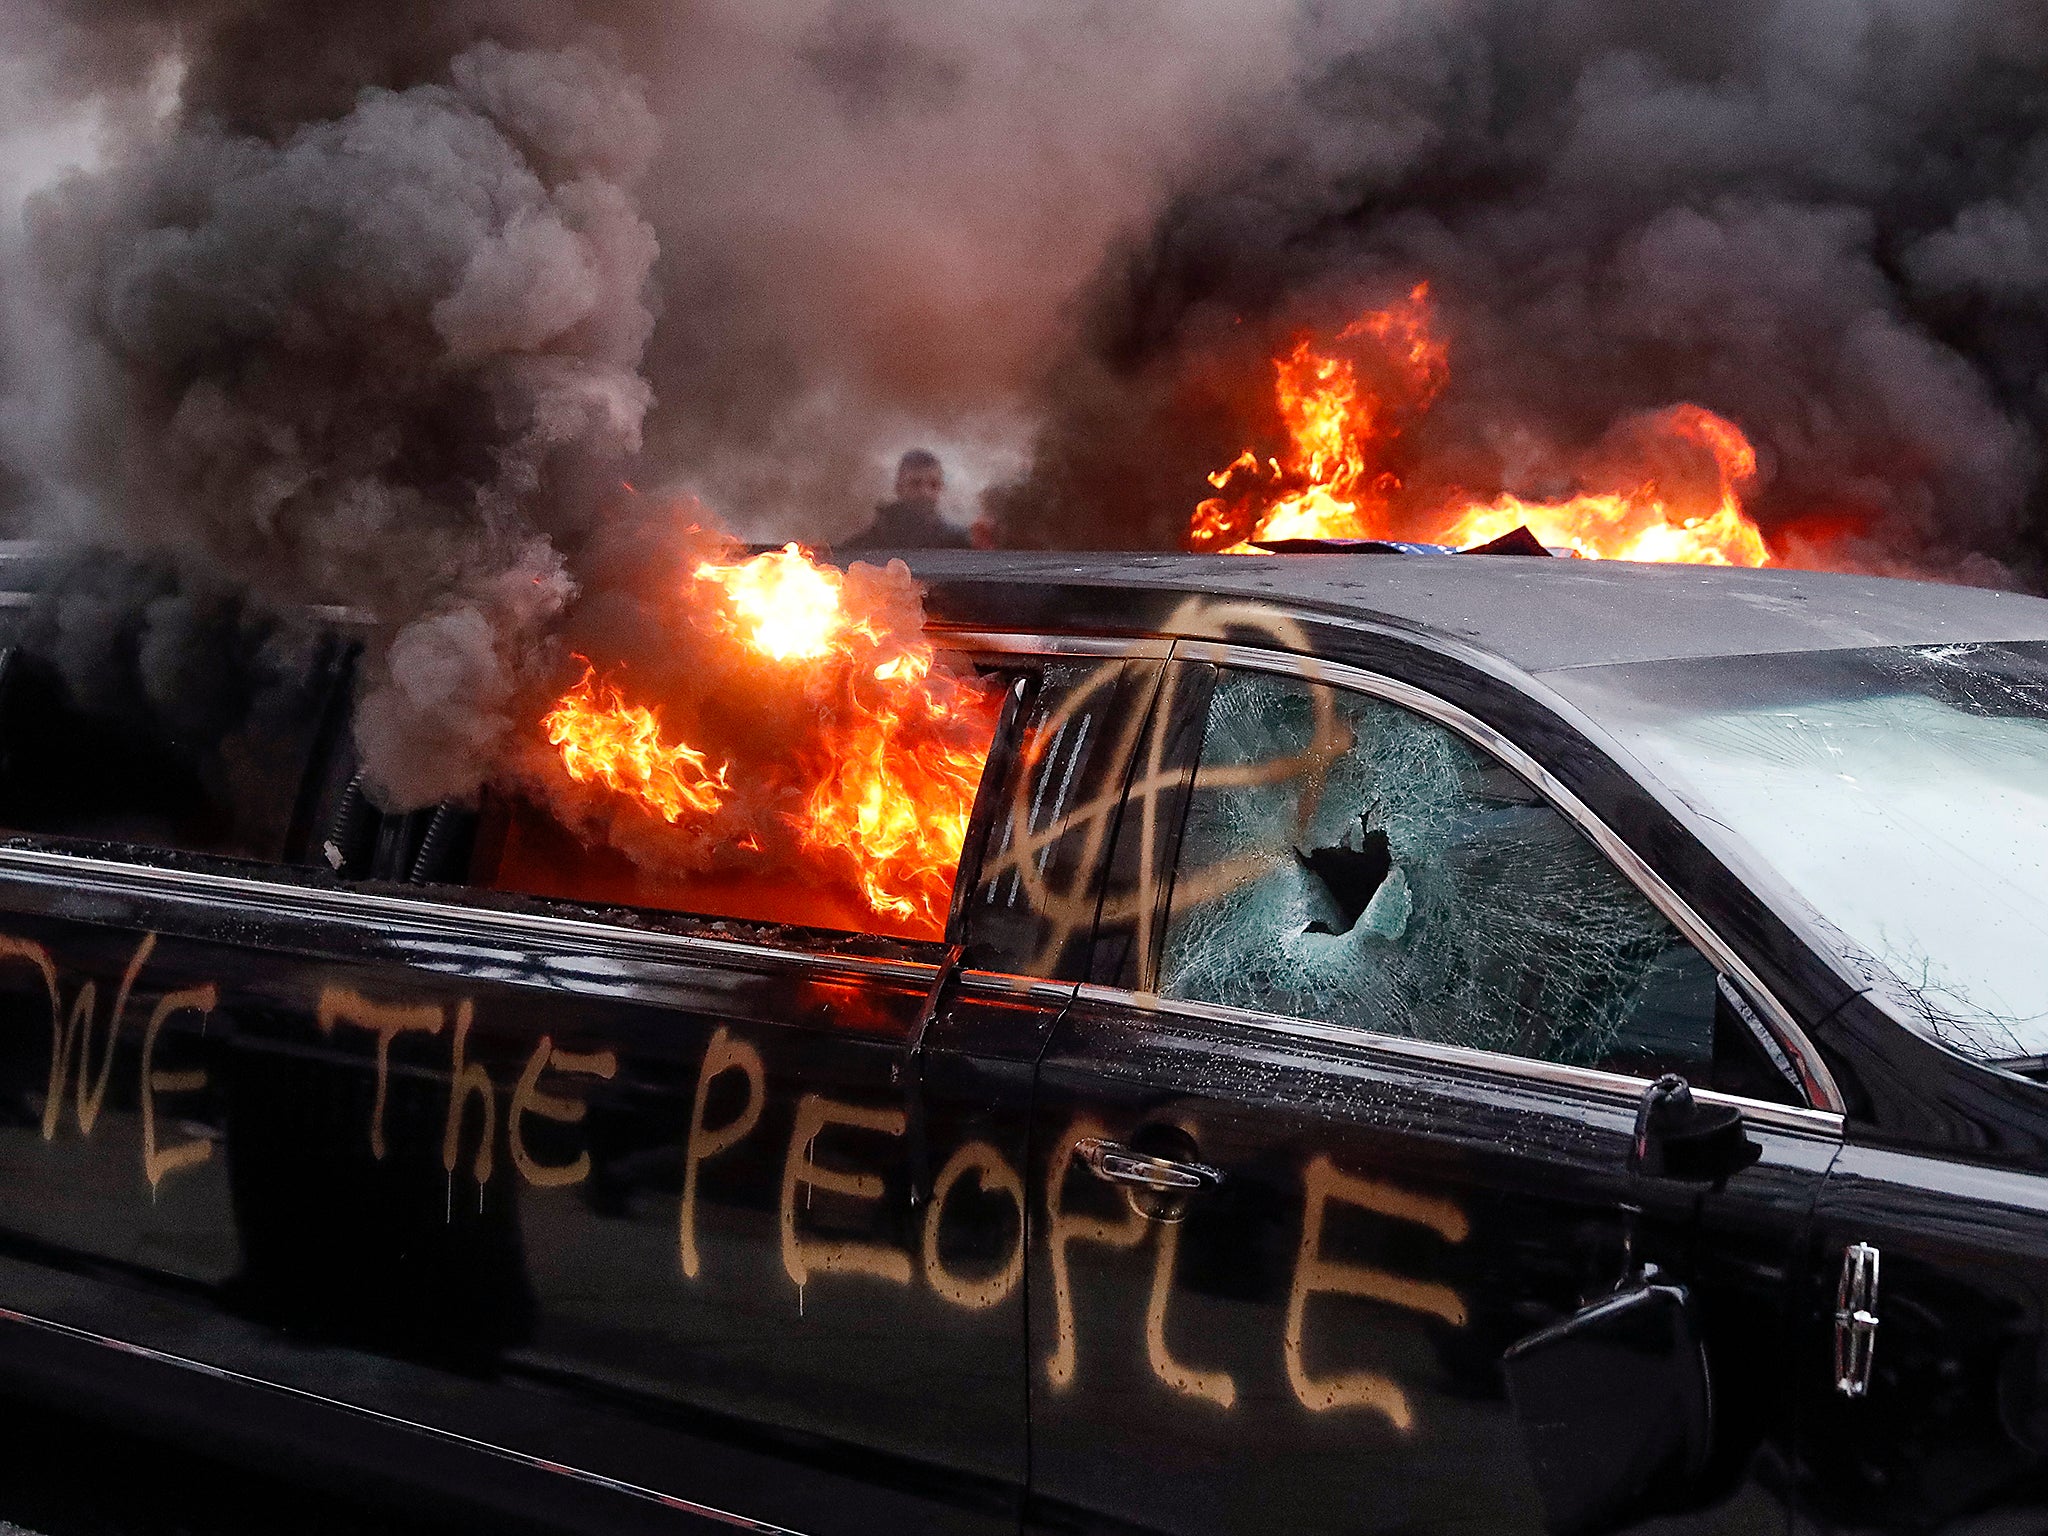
1386,1013
723,1218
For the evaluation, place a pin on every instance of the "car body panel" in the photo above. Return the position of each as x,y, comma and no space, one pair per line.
284,1177
909,1307
1317,1343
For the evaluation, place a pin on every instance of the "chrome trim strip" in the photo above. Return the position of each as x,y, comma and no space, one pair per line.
1145,647
1008,984
296,901
221,1373
1620,1087
1819,1082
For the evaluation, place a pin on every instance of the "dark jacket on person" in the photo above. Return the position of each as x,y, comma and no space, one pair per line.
907,525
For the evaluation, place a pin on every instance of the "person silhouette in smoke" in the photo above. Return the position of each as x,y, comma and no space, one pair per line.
912,520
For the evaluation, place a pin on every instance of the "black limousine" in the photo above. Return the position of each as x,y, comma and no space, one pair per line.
1464,1045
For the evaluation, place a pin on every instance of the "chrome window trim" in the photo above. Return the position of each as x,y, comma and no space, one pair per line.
1012,985
257,1383
584,935
1146,648
577,935
1622,1088
1819,1082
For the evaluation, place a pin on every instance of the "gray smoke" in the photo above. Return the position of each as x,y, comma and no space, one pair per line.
357,304
875,216
386,359
379,303
1826,220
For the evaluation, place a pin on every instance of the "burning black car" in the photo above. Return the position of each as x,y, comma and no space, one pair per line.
1275,1067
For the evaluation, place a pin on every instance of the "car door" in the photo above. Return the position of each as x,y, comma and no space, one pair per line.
781,1206
1925,1377
632,1205
1384,1013
722,1218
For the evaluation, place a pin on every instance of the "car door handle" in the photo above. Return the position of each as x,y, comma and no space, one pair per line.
1140,1170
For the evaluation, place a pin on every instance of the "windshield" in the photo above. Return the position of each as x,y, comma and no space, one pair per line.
1902,793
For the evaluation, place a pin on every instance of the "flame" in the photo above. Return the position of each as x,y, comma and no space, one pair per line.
901,815
604,739
1343,408
879,790
782,603
1329,485
1649,522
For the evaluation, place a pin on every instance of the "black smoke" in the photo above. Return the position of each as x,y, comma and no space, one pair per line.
378,303
377,348
1828,221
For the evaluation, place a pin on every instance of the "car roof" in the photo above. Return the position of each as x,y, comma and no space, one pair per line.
1534,613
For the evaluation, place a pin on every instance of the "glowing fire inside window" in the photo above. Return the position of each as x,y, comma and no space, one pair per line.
874,797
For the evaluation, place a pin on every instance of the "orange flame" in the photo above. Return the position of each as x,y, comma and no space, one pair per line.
902,815
883,787
1329,485
604,739
1333,482
1648,522
782,604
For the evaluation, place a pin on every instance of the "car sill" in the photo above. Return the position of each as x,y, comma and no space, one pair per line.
593,1479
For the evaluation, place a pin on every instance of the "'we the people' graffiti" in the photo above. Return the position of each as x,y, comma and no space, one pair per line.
551,1086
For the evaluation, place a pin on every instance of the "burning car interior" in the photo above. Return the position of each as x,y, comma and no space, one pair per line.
1338,857
284,785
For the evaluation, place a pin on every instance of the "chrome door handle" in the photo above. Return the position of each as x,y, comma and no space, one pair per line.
1856,1319
1140,1170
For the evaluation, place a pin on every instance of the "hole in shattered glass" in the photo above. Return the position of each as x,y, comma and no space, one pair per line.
1351,877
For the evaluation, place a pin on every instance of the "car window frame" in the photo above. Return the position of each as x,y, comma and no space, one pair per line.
301,891
1824,1100
432,905
752,933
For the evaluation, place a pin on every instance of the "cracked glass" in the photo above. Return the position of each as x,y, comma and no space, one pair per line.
1348,861
1899,795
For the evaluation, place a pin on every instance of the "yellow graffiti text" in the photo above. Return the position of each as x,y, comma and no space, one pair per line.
1313,1273
528,1099
387,1021
991,1173
468,1080
800,1256
724,1054
1062,1230
1216,1387
159,1163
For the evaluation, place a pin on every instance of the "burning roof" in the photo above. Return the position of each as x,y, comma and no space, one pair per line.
1676,497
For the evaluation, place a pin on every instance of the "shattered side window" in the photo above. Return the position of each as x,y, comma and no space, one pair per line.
1348,861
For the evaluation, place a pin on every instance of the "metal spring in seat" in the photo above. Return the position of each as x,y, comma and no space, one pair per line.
338,846
435,844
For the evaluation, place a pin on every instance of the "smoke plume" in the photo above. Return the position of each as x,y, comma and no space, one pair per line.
385,358
1828,222
378,304
359,305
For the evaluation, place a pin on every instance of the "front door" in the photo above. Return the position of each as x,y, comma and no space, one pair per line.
1387,1034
